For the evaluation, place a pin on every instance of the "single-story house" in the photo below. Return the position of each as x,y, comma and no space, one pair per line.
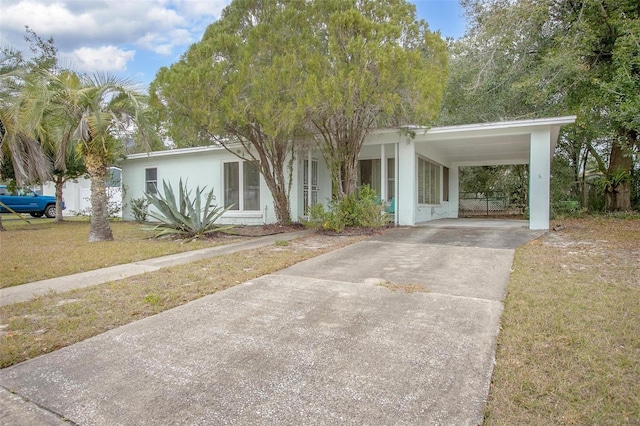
417,174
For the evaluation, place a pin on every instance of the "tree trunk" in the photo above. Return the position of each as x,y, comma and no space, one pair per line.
618,194
59,183
349,176
100,228
280,196
618,197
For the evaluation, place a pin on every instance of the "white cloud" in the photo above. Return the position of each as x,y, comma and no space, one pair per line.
81,23
201,8
163,44
101,59
111,35
45,18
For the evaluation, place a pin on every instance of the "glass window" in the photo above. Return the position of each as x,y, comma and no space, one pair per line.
391,178
114,179
369,174
428,182
251,186
232,186
241,186
445,184
151,180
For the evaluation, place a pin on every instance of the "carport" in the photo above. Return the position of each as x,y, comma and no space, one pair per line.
446,149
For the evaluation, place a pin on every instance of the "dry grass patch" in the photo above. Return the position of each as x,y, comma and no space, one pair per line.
569,348
407,288
46,249
56,320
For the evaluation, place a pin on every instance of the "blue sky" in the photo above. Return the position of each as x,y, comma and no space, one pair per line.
134,38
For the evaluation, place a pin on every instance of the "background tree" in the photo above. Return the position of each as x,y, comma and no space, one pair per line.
26,118
370,65
523,59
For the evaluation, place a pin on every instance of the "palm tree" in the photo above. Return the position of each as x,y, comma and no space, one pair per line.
64,112
17,143
102,108
44,114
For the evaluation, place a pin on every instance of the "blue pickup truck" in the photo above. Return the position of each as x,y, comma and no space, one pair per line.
32,203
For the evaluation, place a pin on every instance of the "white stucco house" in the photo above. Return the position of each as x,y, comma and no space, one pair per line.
417,175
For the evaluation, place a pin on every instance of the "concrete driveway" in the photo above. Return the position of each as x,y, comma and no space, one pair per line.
318,343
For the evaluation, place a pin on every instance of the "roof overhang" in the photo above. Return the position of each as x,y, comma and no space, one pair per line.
485,144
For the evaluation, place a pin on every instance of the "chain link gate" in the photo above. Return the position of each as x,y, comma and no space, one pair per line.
491,203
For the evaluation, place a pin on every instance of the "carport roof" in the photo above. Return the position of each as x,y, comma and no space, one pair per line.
504,142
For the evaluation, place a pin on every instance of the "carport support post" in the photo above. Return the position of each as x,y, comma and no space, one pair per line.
407,195
539,178
454,190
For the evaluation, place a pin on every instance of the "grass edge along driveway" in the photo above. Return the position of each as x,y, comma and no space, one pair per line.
568,351
55,320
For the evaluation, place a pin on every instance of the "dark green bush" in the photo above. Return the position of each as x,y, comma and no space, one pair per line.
364,211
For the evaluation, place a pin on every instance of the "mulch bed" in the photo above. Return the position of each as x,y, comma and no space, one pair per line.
263,230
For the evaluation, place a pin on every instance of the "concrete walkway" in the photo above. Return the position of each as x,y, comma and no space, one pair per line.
25,292
321,342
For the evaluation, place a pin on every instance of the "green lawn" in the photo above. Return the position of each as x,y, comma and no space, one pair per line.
45,249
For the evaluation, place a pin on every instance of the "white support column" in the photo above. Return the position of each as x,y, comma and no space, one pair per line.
406,198
383,173
309,175
454,190
539,178
396,166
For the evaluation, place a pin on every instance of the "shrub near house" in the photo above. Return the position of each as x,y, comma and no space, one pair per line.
32,203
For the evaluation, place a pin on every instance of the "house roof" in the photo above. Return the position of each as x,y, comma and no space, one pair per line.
177,151
495,143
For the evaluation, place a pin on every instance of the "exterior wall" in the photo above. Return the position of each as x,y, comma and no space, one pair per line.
199,168
517,142
444,209
410,211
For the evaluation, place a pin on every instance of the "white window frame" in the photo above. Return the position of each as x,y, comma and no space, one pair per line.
428,182
240,208
148,181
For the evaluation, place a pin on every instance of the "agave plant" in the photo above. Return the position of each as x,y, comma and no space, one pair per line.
183,216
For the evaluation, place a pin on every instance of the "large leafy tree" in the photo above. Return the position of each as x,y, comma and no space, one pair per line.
272,73
370,64
238,87
539,58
